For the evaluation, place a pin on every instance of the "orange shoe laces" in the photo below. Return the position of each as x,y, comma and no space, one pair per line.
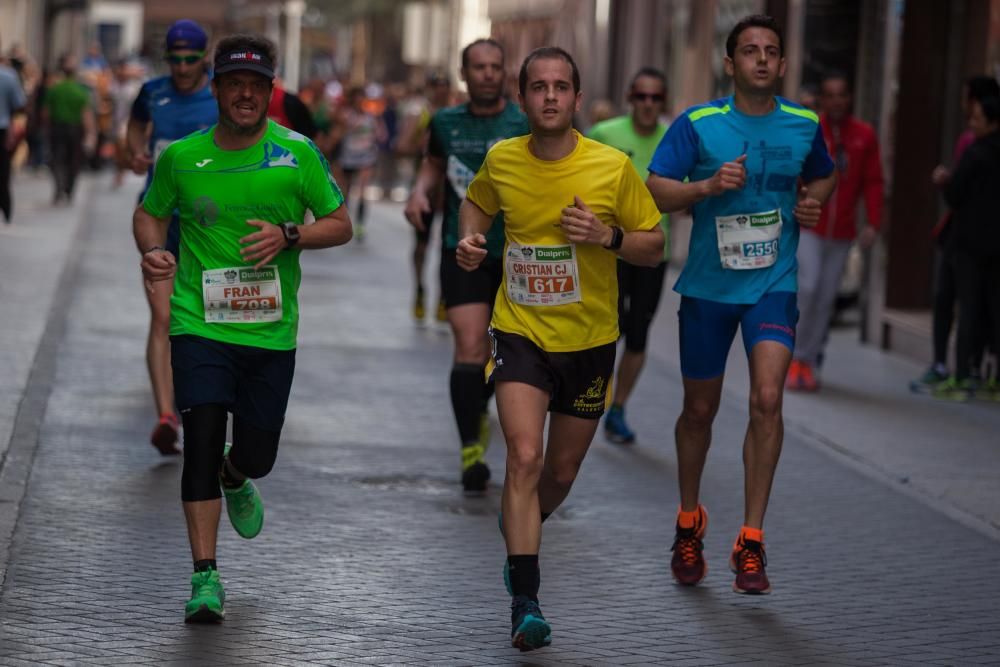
751,560
688,546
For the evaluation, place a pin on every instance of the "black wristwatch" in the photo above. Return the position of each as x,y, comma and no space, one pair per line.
291,232
617,236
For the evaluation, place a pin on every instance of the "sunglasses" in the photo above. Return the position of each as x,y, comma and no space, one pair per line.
191,59
652,97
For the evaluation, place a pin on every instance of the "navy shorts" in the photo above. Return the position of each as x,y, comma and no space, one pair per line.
707,329
251,382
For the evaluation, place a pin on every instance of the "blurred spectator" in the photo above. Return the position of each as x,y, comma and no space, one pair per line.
286,108
823,250
945,290
808,97
314,97
94,61
70,121
12,100
360,132
124,88
973,194
601,110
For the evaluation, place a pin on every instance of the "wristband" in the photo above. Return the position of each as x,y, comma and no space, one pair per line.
155,247
617,236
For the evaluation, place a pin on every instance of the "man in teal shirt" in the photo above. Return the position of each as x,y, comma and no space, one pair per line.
241,189
637,135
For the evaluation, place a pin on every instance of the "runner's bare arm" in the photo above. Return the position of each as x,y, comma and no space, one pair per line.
812,196
429,178
150,234
640,247
473,223
137,138
672,195
263,245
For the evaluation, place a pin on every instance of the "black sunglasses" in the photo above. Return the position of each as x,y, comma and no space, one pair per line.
191,59
642,97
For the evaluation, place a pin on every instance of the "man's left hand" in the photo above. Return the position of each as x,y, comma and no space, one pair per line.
807,209
580,225
262,246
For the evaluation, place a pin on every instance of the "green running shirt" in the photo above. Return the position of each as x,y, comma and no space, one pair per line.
462,140
215,192
619,133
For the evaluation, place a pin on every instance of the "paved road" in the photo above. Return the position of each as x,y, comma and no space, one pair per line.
371,555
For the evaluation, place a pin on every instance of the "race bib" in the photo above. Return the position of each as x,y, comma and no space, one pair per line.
242,294
459,176
542,275
749,240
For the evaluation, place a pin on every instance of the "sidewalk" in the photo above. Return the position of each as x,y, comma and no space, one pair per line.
370,554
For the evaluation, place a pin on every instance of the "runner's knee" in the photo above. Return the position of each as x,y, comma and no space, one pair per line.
765,402
524,459
254,449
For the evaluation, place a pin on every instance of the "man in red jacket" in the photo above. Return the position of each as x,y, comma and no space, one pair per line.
823,249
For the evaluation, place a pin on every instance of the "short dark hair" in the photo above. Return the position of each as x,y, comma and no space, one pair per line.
754,21
835,75
242,41
990,104
544,52
485,40
980,87
650,72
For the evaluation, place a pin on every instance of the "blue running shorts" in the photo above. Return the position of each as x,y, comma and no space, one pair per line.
707,329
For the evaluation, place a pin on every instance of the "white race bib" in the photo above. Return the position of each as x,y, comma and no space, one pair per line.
242,294
459,176
749,240
542,275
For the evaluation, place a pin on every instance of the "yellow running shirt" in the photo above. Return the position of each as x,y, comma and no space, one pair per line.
560,295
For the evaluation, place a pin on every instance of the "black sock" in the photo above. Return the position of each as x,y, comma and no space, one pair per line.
525,577
205,565
489,388
466,400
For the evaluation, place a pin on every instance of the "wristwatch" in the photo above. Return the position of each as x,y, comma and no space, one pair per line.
291,232
617,236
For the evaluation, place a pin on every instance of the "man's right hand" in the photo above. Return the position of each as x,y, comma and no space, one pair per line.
731,176
471,252
157,265
141,163
416,207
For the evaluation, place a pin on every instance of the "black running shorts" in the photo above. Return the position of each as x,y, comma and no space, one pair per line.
459,287
251,382
578,383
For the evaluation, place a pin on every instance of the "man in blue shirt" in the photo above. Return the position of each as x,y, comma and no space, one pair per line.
167,109
752,168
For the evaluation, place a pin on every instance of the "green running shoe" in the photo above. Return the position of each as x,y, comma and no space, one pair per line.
243,505
207,598
953,390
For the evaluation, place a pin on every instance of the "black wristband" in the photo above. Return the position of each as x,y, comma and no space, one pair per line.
617,236
155,247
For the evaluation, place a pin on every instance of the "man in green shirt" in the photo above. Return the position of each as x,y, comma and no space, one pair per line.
67,114
242,188
639,287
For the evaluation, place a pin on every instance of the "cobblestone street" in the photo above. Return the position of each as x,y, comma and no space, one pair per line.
371,554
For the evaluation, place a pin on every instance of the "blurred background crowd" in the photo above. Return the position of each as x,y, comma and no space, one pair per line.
362,77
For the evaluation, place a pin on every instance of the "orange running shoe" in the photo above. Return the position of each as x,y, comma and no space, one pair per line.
807,378
688,564
794,380
748,561
164,436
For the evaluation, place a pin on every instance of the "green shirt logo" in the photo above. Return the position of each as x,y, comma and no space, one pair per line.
205,211
557,254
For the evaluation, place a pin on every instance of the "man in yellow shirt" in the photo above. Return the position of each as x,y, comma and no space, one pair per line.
571,206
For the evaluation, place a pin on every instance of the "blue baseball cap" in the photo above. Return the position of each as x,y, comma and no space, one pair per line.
186,34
